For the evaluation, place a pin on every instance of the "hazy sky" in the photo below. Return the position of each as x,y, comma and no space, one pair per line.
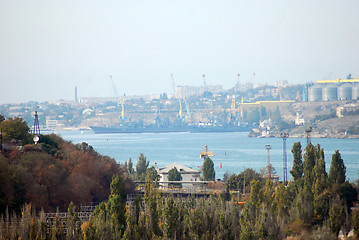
49,47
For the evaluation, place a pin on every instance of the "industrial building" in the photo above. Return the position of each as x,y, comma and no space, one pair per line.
332,90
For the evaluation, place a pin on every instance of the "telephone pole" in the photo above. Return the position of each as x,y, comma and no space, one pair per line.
268,147
284,136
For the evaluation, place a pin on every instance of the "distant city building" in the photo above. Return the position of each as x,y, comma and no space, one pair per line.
299,120
188,91
187,175
51,123
76,99
281,83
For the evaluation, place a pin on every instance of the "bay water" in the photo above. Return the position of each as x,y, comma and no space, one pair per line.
234,151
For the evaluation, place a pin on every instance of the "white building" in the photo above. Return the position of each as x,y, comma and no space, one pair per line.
187,91
187,175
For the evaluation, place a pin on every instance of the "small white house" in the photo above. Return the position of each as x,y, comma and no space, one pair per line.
187,175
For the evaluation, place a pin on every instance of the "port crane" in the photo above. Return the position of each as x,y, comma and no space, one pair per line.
205,153
173,85
180,116
236,88
187,109
114,88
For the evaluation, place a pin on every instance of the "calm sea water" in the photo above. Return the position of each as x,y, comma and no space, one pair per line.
235,151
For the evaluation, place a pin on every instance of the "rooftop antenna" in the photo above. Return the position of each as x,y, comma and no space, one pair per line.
268,147
284,136
36,128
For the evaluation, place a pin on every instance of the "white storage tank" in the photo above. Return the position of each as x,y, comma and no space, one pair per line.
315,93
330,92
345,92
355,91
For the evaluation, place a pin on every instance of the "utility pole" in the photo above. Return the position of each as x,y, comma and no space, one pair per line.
36,129
1,138
244,182
284,136
308,132
268,147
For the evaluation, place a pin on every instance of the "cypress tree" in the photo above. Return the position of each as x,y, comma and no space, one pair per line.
141,167
321,204
208,170
337,169
297,170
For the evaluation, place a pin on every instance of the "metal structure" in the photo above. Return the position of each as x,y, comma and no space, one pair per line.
284,136
36,128
330,93
345,92
114,88
308,131
315,93
173,85
352,80
355,92
205,153
204,83
268,147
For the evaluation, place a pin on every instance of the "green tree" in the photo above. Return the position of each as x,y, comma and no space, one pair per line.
141,167
152,174
355,220
174,175
116,206
254,116
337,169
297,170
336,217
171,219
16,128
263,113
2,118
208,170
73,224
319,187
308,166
275,116
130,169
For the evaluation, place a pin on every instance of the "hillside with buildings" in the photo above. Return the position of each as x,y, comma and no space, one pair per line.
329,107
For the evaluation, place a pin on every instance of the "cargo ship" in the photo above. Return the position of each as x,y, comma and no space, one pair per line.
148,129
168,129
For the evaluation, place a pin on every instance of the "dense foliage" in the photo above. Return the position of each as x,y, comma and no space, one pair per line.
315,205
208,170
53,173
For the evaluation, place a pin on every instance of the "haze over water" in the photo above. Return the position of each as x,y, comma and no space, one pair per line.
235,151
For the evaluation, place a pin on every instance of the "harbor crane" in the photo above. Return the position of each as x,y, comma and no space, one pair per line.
205,153
114,88
236,89
173,85
187,109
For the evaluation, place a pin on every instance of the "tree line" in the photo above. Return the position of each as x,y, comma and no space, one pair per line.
52,173
315,205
